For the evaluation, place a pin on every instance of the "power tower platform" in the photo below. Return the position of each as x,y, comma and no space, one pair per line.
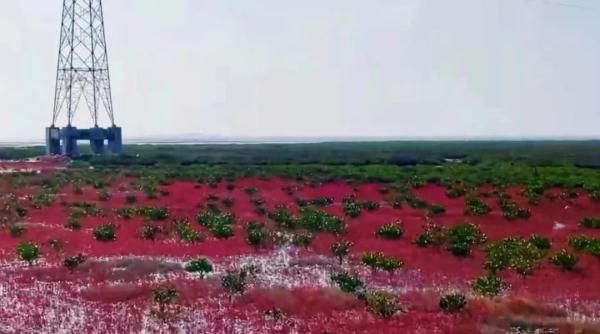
64,141
83,82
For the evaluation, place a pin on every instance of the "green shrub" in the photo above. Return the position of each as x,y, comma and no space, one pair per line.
456,192
256,235
351,208
541,243
512,253
564,260
453,302
150,232
219,224
580,242
436,209
370,205
319,221
377,260
476,207
106,232
228,202
234,282
154,214
416,203
432,235
200,266
283,218
302,239
489,285
349,283
73,262
131,199
164,295
462,237
591,222
184,231
103,195
28,252
21,212
17,230
511,211
383,304
341,248
251,191
393,231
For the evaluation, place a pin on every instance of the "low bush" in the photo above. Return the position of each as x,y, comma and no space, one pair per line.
432,235
16,230
512,253
184,231
28,252
349,283
340,249
591,222
511,211
73,262
150,231
476,207
105,232
228,202
234,282
564,260
21,212
377,260
130,199
250,191
456,192
256,235
453,302
392,231
383,304
541,243
199,266
351,208
490,285
283,217
436,209
302,239
219,224
319,221
104,195
462,237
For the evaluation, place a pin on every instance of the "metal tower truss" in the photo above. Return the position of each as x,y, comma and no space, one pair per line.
82,79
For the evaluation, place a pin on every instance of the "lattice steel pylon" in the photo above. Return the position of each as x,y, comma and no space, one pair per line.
82,74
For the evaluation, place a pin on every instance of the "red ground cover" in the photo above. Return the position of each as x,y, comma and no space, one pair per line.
111,293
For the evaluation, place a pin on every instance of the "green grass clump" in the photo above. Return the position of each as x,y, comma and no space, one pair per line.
392,231
476,207
489,285
349,283
319,221
453,302
462,237
591,222
512,253
377,260
199,266
564,260
106,232
432,235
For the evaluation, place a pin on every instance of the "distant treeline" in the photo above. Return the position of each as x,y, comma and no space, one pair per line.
539,153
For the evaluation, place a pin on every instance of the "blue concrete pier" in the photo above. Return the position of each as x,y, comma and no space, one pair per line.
64,141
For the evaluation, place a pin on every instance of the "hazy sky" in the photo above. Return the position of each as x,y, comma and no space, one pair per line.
321,68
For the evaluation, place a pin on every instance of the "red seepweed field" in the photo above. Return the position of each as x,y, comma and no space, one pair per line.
139,279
